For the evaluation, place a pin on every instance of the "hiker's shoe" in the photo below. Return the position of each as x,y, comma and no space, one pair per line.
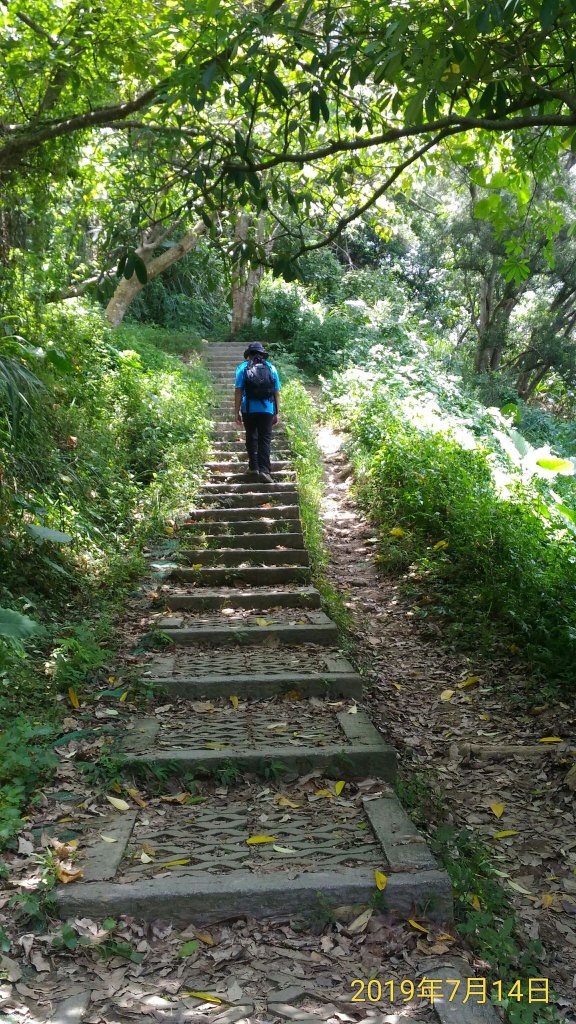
266,478
251,477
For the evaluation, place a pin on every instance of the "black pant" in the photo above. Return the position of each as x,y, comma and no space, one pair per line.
258,427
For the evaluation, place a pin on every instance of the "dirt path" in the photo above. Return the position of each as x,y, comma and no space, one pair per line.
434,706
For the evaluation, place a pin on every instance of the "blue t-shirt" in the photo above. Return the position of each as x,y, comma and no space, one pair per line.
256,404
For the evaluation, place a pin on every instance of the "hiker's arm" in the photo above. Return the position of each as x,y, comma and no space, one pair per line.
237,404
277,403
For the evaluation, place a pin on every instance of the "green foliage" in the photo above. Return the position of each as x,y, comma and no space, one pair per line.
25,764
477,524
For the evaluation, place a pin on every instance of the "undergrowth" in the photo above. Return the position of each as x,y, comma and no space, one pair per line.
102,437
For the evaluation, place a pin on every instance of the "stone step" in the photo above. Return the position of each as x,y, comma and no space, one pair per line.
275,495
227,451
255,521
245,514
202,868
343,746
238,476
282,625
260,541
239,465
241,556
224,429
257,487
260,576
257,598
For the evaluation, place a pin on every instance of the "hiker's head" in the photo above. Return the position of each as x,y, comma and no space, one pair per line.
255,350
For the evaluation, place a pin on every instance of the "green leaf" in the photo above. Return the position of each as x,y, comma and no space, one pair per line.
556,465
570,513
129,266
511,410
121,265
189,947
43,533
59,360
17,626
314,105
548,13
209,75
141,269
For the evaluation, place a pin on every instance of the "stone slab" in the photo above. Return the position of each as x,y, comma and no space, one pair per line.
71,1010
247,499
229,634
227,487
183,900
248,749
260,686
259,541
457,1011
245,513
260,576
220,557
105,857
257,598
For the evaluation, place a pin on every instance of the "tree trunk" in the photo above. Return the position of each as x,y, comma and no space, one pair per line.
245,276
127,290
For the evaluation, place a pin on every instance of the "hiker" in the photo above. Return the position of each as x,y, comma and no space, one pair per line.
256,405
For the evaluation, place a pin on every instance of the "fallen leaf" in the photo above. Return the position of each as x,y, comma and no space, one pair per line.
418,927
120,805
339,787
550,739
67,875
395,685
149,849
446,694
188,948
381,880
178,798
284,849
234,702
440,545
497,809
124,696
203,995
256,840
73,698
174,863
197,565
353,710
325,792
263,622
361,922
519,888
135,796
283,801
108,839
205,937
548,899
505,834
145,858
470,681
397,531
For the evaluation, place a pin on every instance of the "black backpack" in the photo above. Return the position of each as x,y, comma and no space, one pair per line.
259,382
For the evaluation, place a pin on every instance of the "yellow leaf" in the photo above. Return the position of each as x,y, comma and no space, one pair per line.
470,681
257,840
203,995
497,809
395,685
67,875
179,798
381,880
234,702
205,937
283,801
111,679
474,901
149,849
120,805
418,927
168,530
136,796
108,839
325,792
174,863
397,531
506,833
197,565
292,695
262,622
446,695
441,545
339,787
548,899
123,696
455,68
485,718
550,739
73,698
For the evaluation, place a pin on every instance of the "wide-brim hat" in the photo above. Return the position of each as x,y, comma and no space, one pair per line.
255,348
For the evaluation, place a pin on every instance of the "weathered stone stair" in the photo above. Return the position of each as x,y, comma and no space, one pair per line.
246,631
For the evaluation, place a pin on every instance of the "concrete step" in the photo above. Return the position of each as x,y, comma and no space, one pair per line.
225,557
238,476
226,500
257,598
234,466
261,576
202,868
225,450
227,487
251,636
301,737
260,541
251,521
